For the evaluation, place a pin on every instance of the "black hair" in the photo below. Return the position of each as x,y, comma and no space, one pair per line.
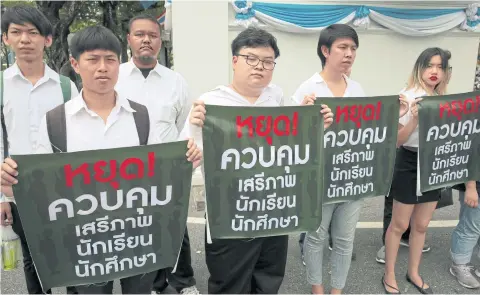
93,38
424,58
253,37
22,14
146,17
330,34
423,62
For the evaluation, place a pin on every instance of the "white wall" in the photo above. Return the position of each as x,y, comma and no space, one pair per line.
200,37
203,31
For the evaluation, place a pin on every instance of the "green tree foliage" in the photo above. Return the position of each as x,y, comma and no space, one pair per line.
68,17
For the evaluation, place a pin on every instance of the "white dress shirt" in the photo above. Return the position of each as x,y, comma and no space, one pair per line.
87,131
271,96
25,104
410,96
317,85
164,92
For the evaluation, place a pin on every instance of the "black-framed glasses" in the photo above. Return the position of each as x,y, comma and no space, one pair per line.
253,61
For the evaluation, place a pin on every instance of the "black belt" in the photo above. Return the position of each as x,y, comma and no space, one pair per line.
410,148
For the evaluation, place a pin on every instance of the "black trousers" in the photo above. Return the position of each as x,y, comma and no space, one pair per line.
246,266
183,277
139,284
31,278
387,218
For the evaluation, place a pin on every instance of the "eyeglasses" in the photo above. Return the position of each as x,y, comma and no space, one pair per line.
254,61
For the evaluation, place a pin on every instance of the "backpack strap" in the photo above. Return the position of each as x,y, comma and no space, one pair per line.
57,129
56,123
66,88
1,88
142,121
4,126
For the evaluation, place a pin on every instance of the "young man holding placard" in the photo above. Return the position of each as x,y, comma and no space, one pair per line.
337,47
253,265
110,120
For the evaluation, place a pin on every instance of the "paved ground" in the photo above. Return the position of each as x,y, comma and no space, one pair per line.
365,273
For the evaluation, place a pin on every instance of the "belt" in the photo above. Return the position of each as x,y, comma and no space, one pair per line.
410,148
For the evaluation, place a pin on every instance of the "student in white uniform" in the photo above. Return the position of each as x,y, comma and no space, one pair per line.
429,77
301,240
165,94
98,118
246,266
29,89
337,47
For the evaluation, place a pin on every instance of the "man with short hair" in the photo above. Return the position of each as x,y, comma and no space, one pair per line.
106,116
165,94
337,47
29,89
301,240
246,266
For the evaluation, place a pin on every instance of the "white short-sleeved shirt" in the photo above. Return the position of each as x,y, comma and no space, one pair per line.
271,96
164,92
87,131
319,87
24,105
410,96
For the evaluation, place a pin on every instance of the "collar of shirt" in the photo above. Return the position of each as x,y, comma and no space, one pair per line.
317,78
352,89
271,92
159,69
77,104
414,93
14,70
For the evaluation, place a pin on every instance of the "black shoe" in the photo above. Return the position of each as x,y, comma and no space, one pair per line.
385,285
420,289
405,243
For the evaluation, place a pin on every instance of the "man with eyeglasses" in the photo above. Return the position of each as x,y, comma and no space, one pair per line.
245,266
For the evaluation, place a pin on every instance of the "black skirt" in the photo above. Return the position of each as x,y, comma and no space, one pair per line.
404,183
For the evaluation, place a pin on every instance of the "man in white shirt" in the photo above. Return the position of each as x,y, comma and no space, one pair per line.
29,89
246,266
336,49
301,240
165,93
337,46
108,119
